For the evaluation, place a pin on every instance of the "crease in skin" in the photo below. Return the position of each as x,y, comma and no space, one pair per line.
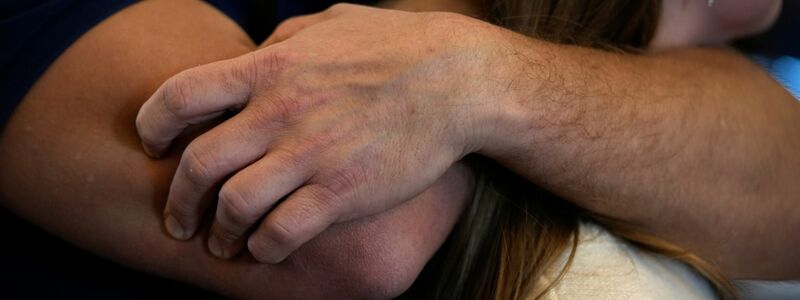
81,105
44,185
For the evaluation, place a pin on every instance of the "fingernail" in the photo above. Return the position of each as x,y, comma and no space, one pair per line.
174,228
216,247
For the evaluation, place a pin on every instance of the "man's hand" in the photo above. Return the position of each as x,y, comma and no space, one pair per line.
347,113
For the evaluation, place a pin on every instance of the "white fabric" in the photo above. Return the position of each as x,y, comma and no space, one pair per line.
606,267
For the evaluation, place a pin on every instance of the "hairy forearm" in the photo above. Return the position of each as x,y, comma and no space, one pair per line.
698,146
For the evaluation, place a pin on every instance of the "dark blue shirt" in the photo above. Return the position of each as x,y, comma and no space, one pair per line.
33,33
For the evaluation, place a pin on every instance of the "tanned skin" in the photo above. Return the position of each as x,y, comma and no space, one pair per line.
73,165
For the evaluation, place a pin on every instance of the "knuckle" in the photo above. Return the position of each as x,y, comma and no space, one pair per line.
287,25
280,232
176,93
235,207
281,109
272,61
340,8
196,167
288,159
277,112
341,183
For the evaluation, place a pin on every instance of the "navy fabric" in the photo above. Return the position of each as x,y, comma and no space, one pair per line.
778,50
782,39
34,33
41,266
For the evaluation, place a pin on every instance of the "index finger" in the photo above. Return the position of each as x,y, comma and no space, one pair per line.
191,97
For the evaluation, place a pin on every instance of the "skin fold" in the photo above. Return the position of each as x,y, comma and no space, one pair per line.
73,165
665,141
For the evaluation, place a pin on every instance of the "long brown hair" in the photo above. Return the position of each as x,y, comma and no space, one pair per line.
513,231
625,24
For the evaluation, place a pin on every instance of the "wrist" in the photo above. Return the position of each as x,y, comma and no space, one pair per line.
512,68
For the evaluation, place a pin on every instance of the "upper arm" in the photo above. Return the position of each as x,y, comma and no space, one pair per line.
73,165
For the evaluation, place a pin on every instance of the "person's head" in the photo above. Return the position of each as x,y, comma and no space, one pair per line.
700,22
654,24
592,23
513,231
